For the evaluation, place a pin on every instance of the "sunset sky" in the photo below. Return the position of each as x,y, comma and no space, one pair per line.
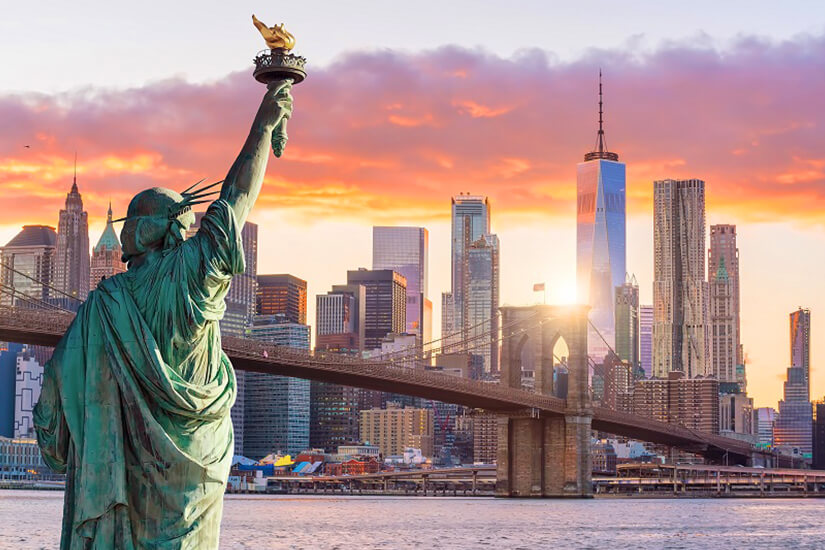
403,108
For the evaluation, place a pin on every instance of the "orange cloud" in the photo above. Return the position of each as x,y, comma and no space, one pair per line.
402,132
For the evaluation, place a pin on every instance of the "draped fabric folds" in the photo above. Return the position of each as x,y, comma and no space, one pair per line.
136,399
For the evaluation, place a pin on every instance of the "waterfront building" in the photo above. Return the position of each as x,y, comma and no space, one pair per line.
27,385
691,402
679,288
485,438
646,340
395,429
600,238
20,460
282,294
71,273
765,421
365,449
470,219
482,300
794,423
603,457
385,308
277,408
818,440
8,382
107,255
333,416
405,250
240,310
27,266
724,321
736,415
801,343
618,384
627,323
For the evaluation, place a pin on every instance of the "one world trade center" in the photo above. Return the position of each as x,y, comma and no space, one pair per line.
600,238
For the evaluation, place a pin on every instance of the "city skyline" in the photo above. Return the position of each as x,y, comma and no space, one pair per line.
746,185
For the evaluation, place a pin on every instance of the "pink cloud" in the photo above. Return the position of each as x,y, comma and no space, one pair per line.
381,133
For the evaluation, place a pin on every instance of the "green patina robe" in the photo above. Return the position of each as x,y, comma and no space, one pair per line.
136,399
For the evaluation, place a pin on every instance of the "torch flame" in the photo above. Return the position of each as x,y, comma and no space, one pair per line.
276,37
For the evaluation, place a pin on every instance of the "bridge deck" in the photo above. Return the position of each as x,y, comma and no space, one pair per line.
46,328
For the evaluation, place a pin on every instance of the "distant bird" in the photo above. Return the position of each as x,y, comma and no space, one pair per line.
27,146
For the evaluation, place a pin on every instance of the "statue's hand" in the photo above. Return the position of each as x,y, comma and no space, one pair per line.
281,100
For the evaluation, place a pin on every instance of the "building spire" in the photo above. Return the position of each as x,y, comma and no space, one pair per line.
109,214
601,146
74,180
600,151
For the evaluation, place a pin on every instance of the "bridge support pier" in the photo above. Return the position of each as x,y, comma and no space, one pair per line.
544,457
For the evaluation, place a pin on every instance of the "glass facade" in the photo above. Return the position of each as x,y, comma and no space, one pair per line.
794,424
276,416
600,245
282,293
470,220
646,339
483,299
385,310
801,343
627,323
405,251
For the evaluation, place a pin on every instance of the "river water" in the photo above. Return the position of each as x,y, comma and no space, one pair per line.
31,519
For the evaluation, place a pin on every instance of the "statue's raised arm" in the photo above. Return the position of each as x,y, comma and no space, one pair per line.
243,182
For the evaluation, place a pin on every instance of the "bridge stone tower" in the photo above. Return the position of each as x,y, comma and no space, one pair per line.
539,455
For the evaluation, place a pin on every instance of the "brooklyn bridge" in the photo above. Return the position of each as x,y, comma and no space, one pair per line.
543,440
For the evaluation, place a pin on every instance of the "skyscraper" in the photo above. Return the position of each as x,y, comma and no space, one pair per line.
765,422
386,303
627,323
600,237
646,339
470,220
341,319
276,411
818,439
679,288
27,266
482,299
801,343
282,294
405,250
794,425
71,274
723,283
106,255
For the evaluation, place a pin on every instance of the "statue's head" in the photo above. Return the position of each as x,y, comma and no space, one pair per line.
157,219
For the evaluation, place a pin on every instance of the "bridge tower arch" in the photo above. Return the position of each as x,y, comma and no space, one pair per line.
543,455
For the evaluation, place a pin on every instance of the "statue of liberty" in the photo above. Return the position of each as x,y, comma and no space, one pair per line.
136,398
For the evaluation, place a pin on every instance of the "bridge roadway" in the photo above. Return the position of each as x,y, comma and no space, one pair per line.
40,327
